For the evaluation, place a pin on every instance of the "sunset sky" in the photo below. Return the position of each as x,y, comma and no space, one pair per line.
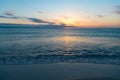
81,13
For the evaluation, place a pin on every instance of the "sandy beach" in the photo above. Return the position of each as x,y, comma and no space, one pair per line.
60,71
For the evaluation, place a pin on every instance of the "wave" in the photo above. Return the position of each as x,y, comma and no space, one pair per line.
49,59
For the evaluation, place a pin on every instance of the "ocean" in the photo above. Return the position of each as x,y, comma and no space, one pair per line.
55,44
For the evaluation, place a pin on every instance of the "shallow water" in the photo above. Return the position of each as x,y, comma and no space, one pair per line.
31,45
60,71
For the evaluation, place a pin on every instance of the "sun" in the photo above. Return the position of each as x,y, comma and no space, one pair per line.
69,22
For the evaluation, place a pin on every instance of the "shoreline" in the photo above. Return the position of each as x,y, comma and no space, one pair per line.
60,71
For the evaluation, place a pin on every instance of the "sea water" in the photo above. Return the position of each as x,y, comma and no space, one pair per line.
55,44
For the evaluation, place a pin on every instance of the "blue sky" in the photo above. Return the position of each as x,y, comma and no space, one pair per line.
68,12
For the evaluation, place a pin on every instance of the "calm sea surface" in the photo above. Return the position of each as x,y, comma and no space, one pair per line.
34,45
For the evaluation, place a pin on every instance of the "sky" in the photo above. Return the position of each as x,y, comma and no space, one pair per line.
80,13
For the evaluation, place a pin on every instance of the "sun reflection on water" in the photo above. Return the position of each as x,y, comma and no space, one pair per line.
70,43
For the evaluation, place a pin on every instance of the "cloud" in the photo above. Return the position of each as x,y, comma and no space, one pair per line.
100,16
40,12
9,13
117,9
37,20
1,16
9,17
65,17
117,12
118,6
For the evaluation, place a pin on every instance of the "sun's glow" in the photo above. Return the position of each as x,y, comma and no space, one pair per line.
68,21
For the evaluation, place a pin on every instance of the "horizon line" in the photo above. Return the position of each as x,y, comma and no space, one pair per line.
40,25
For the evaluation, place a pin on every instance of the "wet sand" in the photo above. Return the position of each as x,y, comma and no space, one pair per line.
60,71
